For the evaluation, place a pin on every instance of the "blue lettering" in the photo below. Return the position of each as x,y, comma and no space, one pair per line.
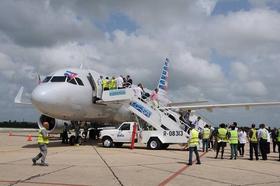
117,92
141,109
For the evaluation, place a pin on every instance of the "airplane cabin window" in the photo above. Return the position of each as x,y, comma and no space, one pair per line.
79,81
58,79
47,79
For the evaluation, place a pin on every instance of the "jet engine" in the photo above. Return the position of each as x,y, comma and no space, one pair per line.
55,125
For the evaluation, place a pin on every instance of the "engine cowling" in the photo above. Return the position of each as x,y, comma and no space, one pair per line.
56,126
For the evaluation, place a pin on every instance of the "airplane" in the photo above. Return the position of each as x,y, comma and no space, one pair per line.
73,95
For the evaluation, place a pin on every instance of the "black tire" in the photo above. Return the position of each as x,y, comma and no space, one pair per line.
107,142
118,144
165,145
154,144
72,140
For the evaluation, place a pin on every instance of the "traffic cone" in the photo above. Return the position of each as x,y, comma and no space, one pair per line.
29,137
10,133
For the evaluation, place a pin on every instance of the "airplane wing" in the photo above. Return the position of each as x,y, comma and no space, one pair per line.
19,100
210,107
175,104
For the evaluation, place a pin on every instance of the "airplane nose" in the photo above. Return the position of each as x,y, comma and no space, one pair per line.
41,96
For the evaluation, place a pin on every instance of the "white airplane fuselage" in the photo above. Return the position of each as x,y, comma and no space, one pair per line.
61,99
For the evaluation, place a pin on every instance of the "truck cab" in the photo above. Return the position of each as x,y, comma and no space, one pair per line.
118,136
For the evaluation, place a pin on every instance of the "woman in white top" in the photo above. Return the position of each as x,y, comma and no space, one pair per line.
242,139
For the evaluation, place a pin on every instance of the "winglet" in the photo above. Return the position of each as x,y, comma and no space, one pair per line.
18,98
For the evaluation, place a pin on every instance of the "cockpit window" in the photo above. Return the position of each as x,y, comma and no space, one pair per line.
58,79
79,81
47,79
72,80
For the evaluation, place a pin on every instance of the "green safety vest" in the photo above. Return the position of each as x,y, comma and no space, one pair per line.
112,84
194,138
222,134
105,83
254,138
233,137
278,137
206,133
42,139
264,134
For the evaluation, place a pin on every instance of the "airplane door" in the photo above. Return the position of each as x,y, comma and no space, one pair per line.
93,85
125,132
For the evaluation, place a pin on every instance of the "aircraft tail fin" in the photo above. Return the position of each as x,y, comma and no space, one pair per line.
163,83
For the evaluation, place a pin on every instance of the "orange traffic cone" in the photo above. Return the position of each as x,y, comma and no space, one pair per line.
29,137
10,133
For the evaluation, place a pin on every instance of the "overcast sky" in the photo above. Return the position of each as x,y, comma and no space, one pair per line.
223,51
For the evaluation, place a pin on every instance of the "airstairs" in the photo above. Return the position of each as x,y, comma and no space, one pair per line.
167,124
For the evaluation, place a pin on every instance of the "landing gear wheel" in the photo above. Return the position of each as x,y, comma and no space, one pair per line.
72,140
154,144
107,142
118,145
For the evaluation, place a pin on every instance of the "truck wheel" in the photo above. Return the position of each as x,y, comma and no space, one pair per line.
107,142
164,145
118,144
154,144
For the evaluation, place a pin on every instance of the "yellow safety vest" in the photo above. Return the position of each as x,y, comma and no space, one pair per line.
112,84
254,138
194,138
233,137
104,83
278,137
222,134
206,133
42,139
264,134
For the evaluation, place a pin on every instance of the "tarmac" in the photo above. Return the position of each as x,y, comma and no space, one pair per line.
91,164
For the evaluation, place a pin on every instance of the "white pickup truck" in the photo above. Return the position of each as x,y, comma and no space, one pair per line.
155,139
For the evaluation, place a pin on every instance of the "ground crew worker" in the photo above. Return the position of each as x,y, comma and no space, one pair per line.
253,142
113,84
233,141
278,141
43,140
205,138
221,139
193,144
105,83
262,135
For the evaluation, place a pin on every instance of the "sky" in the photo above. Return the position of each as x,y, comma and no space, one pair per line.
222,51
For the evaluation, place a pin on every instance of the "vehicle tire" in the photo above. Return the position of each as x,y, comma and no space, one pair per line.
107,142
118,144
72,140
154,144
165,145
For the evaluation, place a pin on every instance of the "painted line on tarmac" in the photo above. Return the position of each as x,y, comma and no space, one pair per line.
108,166
171,177
40,183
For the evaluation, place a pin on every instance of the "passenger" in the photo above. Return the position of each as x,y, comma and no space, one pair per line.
154,98
193,144
120,82
206,133
274,139
196,123
242,138
129,81
186,119
262,136
268,139
112,83
43,141
105,83
278,142
233,141
253,139
138,91
221,140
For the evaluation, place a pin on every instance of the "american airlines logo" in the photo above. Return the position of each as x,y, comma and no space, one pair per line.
117,92
141,109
